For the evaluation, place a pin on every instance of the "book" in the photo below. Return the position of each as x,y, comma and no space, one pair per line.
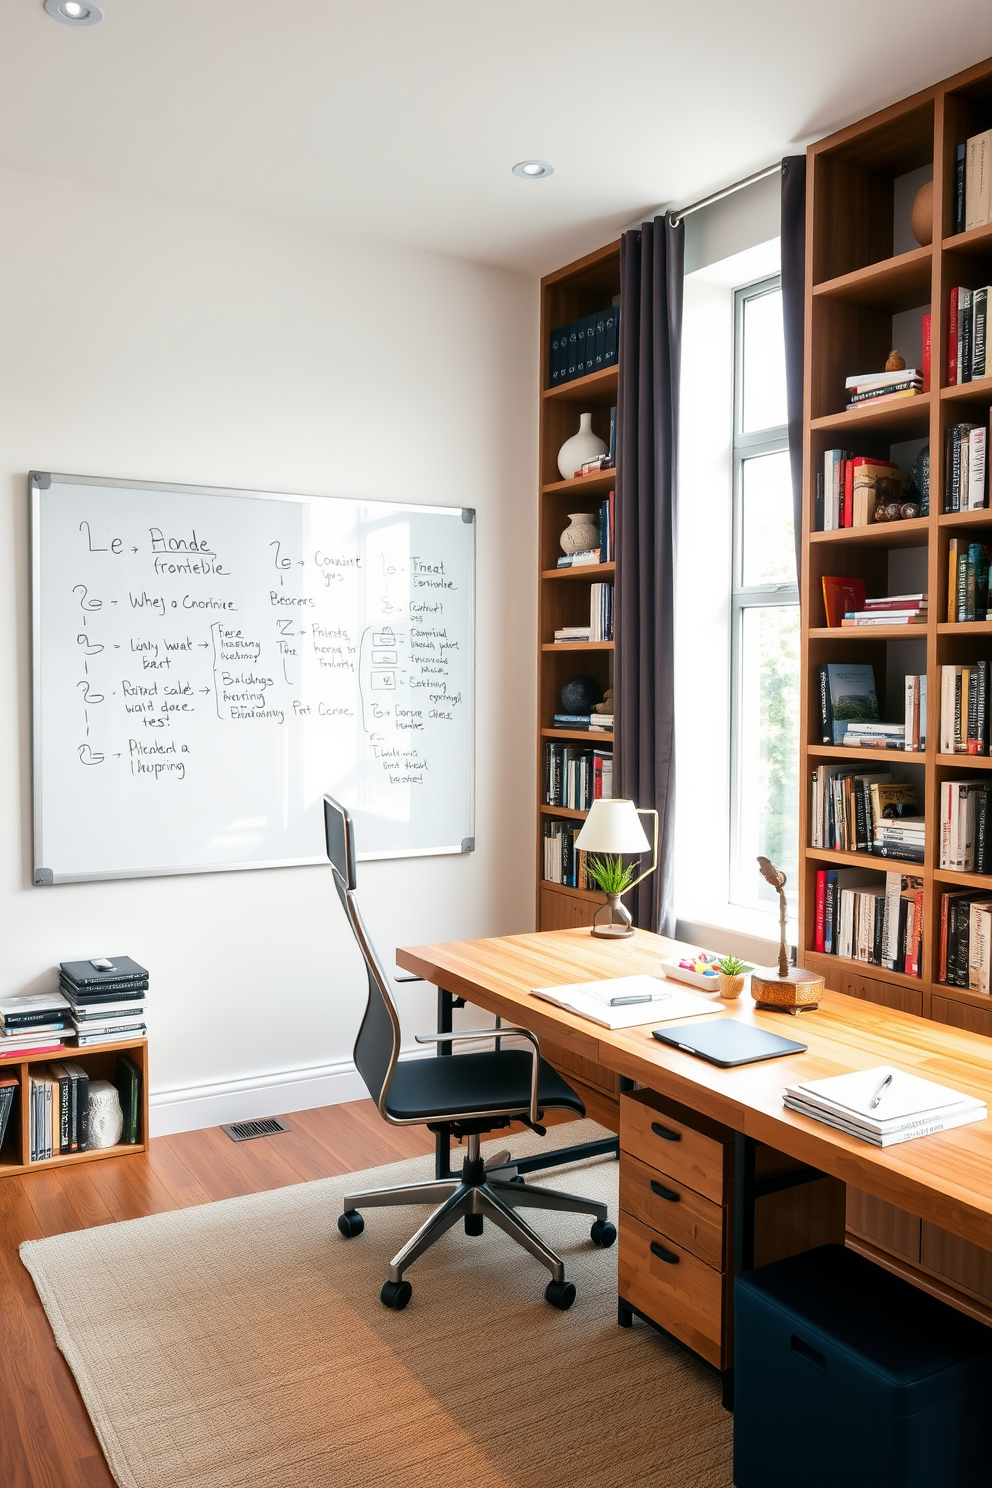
840,595
119,969
43,1046
32,1008
592,1000
847,695
9,1090
82,1109
977,204
959,191
927,320
863,380
127,1078
86,1037
952,337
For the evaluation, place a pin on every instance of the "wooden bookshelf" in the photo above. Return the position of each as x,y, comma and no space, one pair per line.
99,1065
578,289
855,286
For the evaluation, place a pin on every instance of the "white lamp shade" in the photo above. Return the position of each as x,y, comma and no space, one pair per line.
612,827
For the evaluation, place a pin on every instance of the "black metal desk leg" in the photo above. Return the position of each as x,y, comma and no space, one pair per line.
442,1141
742,1248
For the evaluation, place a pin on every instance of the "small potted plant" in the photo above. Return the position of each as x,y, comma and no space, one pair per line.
732,971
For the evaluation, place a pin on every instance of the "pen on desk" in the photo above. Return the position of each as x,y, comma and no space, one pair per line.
880,1091
629,1001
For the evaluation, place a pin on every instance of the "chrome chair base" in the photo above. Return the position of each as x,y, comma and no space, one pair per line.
485,1191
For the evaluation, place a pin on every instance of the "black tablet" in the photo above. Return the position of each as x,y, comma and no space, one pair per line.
727,1041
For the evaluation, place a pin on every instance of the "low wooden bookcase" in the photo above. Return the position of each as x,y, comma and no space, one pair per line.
99,1065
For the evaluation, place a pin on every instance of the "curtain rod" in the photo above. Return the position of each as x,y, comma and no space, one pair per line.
675,216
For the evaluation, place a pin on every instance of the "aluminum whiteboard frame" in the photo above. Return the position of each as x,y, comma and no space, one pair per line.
38,482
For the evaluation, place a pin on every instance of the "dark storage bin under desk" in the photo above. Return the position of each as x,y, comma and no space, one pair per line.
848,1377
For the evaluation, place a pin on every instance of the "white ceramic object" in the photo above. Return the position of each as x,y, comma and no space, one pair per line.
585,445
582,533
106,1117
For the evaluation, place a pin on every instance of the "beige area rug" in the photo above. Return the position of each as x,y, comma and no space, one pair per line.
242,1344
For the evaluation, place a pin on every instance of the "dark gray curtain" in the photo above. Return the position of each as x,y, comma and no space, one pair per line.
793,315
651,271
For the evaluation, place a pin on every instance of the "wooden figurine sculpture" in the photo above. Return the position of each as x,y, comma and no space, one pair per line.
792,990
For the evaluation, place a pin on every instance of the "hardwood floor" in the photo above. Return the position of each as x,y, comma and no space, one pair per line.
46,1440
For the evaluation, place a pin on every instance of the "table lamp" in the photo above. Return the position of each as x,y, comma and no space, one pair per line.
611,829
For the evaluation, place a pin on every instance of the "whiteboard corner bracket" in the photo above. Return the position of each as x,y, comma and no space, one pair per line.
44,876
468,844
41,479
468,514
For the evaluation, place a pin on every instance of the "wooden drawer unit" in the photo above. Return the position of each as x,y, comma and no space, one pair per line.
670,1285
676,1141
668,1206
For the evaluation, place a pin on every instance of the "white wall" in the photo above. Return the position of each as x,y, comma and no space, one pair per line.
152,339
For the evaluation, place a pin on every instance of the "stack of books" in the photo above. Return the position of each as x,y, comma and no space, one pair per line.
964,708
967,348
874,387
584,346
848,488
966,475
865,919
884,1106
594,722
107,1002
855,812
575,777
964,955
900,837
579,560
962,803
562,864
34,1023
59,1110
967,580
600,627
896,609
973,183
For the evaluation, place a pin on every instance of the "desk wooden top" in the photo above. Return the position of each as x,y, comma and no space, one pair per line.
946,1178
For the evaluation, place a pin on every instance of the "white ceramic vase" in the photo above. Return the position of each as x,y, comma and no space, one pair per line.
585,445
581,534
106,1120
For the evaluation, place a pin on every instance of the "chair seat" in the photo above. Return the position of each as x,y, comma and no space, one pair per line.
497,1080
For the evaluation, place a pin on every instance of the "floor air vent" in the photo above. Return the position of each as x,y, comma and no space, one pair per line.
265,1126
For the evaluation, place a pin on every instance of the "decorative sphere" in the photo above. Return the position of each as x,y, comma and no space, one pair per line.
921,219
909,510
580,694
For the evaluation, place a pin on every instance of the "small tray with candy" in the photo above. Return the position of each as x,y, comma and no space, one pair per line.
700,971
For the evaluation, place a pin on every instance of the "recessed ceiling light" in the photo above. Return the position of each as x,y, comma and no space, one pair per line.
531,170
74,12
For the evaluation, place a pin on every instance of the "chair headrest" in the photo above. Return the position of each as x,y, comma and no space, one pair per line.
339,835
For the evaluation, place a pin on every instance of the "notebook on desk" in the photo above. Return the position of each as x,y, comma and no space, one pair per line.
728,1042
624,1002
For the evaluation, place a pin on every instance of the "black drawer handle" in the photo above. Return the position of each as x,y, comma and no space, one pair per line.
665,1193
663,1254
807,1352
666,1132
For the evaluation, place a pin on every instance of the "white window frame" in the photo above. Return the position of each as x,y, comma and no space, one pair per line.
743,878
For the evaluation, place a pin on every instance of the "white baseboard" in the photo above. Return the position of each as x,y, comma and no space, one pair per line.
191,1107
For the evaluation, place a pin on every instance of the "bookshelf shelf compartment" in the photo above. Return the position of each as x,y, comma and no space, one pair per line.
864,968
909,534
581,734
978,518
905,419
868,632
864,860
592,895
595,387
892,285
980,391
602,482
865,756
564,811
977,242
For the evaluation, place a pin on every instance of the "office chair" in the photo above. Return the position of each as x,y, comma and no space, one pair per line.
465,1095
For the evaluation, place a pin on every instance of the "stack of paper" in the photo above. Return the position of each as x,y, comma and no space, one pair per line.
884,1105
624,1002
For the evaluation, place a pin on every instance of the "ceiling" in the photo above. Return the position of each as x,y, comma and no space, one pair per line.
400,119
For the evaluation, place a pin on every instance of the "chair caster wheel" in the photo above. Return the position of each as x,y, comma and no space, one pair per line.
603,1234
560,1294
351,1224
395,1294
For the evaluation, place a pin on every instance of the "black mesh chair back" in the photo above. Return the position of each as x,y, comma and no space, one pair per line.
377,1046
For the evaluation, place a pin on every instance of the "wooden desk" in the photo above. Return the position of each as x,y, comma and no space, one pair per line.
946,1179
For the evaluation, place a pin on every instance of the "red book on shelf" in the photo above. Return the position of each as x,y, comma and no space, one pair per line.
952,338
913,959
926,352
848,513
35,1049
821,910
841,595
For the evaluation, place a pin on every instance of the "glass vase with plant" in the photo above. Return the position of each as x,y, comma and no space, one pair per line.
613,877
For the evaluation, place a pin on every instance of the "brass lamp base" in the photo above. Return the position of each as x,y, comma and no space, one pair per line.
620,924
799,992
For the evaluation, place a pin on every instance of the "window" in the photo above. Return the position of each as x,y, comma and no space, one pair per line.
764,787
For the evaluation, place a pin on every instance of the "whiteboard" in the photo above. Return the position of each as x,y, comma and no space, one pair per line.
208,663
